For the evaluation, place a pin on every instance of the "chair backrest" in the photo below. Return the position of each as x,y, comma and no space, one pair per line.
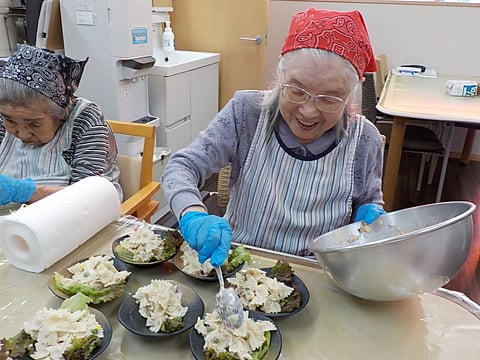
381,74
223,194
136,172
369,98
148,132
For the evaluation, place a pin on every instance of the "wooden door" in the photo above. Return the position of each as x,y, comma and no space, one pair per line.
218,26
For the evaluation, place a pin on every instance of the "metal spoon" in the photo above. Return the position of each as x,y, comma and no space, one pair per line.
228,304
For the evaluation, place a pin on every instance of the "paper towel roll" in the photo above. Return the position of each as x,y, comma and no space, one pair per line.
35,237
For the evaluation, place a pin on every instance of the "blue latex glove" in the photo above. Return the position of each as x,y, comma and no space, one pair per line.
210,235
15,190
369,213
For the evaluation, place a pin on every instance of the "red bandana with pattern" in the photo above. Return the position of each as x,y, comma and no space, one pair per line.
343,33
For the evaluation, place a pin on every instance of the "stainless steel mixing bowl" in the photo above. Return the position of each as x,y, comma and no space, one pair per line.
406,253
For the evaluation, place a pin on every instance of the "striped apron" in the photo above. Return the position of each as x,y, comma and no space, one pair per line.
44,164
280,202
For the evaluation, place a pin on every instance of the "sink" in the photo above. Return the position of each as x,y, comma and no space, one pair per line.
179,61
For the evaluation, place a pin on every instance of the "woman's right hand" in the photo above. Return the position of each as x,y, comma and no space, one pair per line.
15,190
209,235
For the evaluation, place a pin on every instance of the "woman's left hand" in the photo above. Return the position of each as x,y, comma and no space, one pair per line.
369,213
15,190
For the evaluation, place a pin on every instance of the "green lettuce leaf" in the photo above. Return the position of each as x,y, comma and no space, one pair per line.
18,346
238,256
97,295
258,354
22,345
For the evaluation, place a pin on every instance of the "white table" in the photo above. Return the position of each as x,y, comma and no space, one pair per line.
333,325
411,97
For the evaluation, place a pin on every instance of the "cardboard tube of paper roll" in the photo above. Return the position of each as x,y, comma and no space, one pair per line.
38,235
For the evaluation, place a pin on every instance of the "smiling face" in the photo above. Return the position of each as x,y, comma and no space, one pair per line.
318,77
32,123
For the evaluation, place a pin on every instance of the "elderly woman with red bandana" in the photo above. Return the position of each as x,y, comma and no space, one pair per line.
49,138
304,160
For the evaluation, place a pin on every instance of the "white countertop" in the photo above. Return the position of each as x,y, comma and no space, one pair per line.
178,61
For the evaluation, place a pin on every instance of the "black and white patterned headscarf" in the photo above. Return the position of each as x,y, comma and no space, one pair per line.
53,75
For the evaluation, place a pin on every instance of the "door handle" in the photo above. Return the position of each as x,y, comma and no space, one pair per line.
257,39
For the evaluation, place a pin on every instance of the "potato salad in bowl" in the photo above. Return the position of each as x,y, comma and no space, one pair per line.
160,304
73,331
161,308
256,339
147,245
275,291
257,291
100,277
187,262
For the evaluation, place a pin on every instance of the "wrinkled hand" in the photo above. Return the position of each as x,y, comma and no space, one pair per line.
15,190
210,235
369,213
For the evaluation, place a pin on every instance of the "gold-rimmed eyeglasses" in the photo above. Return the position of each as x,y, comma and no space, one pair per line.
327,103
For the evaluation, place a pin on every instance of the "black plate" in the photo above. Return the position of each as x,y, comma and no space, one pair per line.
197,342
107,335
8,209
117,241
131,319
107,332
178,262
300,286
64,271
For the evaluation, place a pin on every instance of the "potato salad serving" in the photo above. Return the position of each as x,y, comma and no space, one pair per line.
160,304
192,266
250,341
70,332
96,277
146,245
269,294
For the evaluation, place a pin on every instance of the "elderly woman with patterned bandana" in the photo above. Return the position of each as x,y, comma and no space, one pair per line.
49,138
303,159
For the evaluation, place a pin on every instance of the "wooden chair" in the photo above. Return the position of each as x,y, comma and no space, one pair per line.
223,194
136,173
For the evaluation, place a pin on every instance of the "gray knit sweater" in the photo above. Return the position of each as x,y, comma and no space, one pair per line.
228,137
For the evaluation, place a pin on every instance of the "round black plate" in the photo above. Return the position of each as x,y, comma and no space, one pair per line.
107,332
117,241
120,266
107,335
197,342
131,319
300,286
178,262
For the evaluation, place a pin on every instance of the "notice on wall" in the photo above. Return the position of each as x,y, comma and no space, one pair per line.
84,17
84,12
84,5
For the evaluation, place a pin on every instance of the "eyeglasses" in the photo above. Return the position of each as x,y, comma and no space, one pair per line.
326,103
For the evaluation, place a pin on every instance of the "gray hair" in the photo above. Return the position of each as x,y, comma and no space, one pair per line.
354,105
17,94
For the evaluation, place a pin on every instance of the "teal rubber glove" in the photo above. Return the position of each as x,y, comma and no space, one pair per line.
369,213
210,235
15,190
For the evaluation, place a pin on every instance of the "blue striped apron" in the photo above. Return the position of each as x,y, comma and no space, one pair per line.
280,202
44,164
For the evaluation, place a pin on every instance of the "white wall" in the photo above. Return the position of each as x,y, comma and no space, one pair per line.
442,37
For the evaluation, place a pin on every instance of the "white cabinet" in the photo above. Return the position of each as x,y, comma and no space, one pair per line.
184,95
203,97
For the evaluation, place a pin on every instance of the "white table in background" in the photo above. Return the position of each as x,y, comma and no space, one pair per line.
411,97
